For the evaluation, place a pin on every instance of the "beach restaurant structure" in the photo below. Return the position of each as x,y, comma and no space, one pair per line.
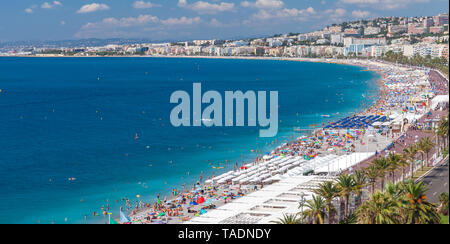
282,197
266,205
271,170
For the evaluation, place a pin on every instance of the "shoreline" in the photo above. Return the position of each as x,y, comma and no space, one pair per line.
381,94
415,78
272,147
350,62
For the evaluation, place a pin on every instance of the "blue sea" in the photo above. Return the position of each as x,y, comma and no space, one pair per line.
68,127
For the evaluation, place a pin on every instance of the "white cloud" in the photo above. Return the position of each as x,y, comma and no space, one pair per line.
129,26
264,4
335,13
286,13
93,7
142,25
54,4
339,12
123,22
263,15
206,7
360,14
45,5
295,12
144,5
383,4
181,21
216,23
361,1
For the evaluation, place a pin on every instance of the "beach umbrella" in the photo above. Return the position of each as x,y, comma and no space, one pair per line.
200,200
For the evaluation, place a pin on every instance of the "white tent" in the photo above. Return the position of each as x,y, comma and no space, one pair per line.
440,99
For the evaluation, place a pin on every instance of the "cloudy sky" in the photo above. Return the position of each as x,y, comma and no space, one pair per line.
189,19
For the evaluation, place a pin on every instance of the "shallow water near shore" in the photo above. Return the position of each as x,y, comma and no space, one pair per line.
64,118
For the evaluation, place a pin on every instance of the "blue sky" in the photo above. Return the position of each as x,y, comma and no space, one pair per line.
189,19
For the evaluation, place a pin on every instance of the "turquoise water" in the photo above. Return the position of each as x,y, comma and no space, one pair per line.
77,118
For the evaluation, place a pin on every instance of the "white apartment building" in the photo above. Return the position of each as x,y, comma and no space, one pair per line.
364,41
372,31
337,39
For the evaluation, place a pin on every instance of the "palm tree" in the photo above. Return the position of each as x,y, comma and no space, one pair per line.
372,174
316,208
329,191
288,219
360,180
403,163
427,145
421,149
442,130
409,154
382,164
346,185
379,209
417,209
443,206
444,125
350,220
394,190
394,164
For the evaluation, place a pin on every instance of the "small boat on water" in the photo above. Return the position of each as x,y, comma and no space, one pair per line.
208,120
326,115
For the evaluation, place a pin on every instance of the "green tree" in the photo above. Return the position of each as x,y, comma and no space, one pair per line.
403,164
394,163
315,209
382,164
288,219
442,130
346,185
427,146
372,174
416,208
381,208
409,154
329,191
394,190
360,180
443,203
421,149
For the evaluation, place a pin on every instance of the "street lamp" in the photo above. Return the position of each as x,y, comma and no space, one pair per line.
302,201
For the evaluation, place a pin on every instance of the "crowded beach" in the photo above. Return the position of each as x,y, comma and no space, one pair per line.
261,191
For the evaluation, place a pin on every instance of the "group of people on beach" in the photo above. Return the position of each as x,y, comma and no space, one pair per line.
398,86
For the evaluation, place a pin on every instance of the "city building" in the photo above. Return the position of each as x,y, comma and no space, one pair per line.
440,20
365,41
372,31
